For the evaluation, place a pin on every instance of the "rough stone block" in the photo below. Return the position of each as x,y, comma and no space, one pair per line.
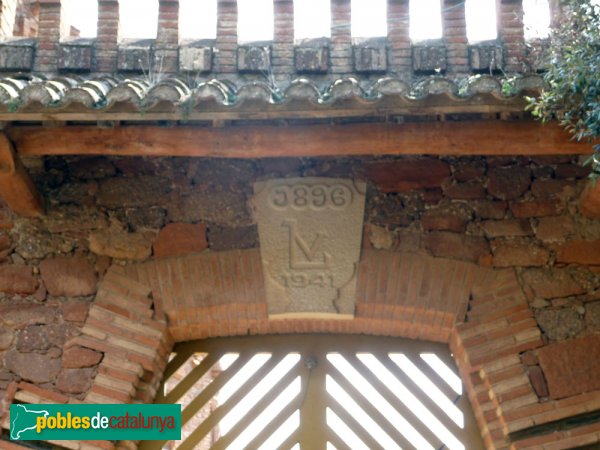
17,54
592,317
75,55
6,339
17,280
405,175
232,238
572,171
429,58
539,208
68,276
559,324
78,357
32,338
589,203
141,191
75,381
488,209
444,244
469,190
370,58
312,59
579,252
447,218
32,367
554,228
120,244
486,57
518,252
136,56
506,183
75,311
570,367
552,284
536,377
22,314
510,227
468,170
253,58
225,208
550,188
180,239
195,59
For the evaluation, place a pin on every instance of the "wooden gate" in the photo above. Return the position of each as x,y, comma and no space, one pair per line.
314,392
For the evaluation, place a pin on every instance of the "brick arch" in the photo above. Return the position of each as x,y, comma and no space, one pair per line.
398,294
141,310
480,312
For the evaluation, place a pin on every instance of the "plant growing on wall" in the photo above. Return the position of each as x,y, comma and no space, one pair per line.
572,94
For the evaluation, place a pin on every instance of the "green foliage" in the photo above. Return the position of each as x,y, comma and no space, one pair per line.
573,80
508,86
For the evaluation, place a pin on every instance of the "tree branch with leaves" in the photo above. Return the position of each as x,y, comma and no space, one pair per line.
572,94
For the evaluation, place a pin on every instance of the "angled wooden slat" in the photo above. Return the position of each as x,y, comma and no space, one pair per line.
447,360
281,418
224,409
400,407
435,378
431,375
289,443
354,425
339,444
192,378
211,390
368,408
422,393
265,401
174,365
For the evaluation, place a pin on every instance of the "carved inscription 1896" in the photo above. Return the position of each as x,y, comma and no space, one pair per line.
310,232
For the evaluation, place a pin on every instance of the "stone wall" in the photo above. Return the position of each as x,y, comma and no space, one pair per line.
513,221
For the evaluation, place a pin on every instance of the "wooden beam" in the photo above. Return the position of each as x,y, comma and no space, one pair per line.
434,138
16,187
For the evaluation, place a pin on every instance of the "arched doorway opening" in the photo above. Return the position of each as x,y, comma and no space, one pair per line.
317,392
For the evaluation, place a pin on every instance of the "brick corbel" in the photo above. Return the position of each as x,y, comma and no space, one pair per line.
16,186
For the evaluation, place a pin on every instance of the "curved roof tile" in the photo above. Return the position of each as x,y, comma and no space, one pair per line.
138,94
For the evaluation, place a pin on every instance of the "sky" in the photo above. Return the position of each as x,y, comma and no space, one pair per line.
311,19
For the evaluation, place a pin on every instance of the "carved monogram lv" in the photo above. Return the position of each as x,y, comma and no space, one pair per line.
302,255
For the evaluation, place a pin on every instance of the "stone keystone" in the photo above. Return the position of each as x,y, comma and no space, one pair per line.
310,232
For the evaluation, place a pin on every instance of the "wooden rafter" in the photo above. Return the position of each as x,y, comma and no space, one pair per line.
16,187
435,138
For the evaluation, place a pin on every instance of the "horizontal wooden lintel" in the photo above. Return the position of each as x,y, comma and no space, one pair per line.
433,138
